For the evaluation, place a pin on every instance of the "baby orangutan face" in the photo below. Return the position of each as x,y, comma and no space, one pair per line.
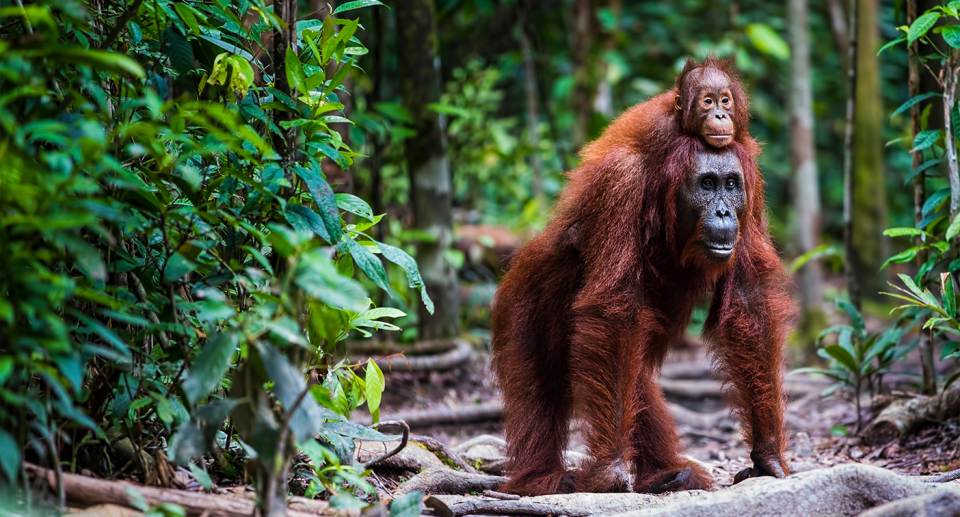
707,98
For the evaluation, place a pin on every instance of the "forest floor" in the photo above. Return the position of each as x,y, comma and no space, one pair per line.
816,424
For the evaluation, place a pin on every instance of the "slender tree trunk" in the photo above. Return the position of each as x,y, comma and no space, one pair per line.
919,198
838,26
427,164
533,106
285,142
807,193
804,157
869,199
850,264
376,95
603,100
582,36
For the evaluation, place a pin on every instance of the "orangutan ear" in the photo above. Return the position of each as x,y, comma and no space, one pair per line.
677,104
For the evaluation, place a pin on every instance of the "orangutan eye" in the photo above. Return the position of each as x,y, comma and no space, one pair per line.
707,183
726,101
708,101
731,183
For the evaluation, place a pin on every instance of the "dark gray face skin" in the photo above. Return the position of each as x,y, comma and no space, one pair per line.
714,195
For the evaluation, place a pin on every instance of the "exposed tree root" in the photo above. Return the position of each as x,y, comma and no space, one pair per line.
458,415
83,491
942,503
491,411
843,490
901,417
572,505
441,480
422,357
443,452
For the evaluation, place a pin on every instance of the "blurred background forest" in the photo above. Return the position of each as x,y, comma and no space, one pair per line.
200,199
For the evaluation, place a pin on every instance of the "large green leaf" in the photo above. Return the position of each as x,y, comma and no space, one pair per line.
409,266
210,366
349,6
290,387
914,101
354,205
407,505
295,75
303,218
9,456
374,384
766,40
325,200
921,25
951,34
178,49
369,264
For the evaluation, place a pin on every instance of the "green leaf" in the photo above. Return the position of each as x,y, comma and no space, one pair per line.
933,202
925,139
187,15
229,47
339,77
202,477
902,38
407,505
374,384
921,25
904,232
819,252
766,40
349,6
86,257
9,456
304,219
902,257
369,264
356,431
951,34
839,430
288,387
178,49
855,318
210,366
354,205
843,357
953,229
295,75
325,200
914,101
949,297
176,267
409,266
383,312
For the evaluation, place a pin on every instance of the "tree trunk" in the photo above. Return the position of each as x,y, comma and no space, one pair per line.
533,107
850,263
285,142
919,198
427,164
838,26
869,203
582,102
807,193
804,157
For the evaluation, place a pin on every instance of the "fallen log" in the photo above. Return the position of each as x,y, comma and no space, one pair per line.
442,480
705,388
903,416
86,491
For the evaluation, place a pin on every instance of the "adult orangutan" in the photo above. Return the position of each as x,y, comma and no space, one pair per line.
666,207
